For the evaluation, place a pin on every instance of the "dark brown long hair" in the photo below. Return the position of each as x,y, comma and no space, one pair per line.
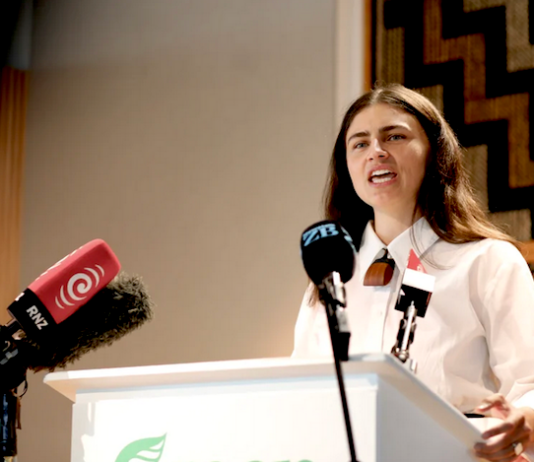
445,198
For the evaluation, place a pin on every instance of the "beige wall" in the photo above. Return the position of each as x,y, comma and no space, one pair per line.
193,136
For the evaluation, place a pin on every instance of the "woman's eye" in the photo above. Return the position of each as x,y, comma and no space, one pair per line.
359,145
396,137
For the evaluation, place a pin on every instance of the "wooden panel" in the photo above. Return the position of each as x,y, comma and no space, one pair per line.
13,97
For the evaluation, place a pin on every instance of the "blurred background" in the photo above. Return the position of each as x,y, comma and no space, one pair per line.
191,135
194,137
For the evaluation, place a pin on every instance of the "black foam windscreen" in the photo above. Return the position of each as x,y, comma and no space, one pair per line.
120,307
326,247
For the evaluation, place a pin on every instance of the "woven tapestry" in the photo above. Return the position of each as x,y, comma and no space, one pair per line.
475,60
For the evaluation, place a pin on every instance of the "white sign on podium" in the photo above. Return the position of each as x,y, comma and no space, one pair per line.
268,410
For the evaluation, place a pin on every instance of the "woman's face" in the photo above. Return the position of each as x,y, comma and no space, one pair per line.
387,152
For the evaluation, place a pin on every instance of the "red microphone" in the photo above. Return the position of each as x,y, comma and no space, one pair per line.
79,304
63,289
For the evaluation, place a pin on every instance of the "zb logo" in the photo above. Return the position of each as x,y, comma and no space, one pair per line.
319,232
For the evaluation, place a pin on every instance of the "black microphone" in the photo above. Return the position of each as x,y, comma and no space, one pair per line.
327,248
329,257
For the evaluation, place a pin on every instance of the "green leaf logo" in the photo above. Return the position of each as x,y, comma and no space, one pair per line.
145,450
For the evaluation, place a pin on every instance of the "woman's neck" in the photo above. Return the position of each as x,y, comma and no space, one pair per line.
389,226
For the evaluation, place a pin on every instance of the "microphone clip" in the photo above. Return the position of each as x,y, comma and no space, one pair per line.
13,362
335,288
333,295
414,296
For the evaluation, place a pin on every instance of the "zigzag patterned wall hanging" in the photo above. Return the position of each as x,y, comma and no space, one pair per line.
475,60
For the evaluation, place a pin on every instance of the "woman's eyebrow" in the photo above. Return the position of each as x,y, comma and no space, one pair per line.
387,128
358,135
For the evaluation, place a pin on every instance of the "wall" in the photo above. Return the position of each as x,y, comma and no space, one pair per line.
193,136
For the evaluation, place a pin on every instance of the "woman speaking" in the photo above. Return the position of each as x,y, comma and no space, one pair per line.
397,184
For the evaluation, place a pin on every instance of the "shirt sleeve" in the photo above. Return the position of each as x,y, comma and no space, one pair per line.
508,320
507,315
309,341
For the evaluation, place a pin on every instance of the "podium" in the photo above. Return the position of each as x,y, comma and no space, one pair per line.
267,410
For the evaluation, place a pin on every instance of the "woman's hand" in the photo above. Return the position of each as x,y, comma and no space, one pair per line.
509,438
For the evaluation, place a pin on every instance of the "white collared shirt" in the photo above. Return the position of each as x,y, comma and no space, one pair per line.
477,337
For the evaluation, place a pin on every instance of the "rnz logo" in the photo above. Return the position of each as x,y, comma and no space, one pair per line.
37,318
319,232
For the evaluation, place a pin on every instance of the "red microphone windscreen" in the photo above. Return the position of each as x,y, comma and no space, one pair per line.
65,287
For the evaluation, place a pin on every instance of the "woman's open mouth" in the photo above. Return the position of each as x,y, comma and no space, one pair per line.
382,176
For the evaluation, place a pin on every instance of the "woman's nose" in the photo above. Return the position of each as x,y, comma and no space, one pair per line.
377,150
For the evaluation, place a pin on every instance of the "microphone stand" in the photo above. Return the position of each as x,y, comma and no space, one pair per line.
13,367
332,295
8,425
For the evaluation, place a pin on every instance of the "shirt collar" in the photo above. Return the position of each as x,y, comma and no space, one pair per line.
420,240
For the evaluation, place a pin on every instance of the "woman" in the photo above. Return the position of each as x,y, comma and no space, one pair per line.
397,183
